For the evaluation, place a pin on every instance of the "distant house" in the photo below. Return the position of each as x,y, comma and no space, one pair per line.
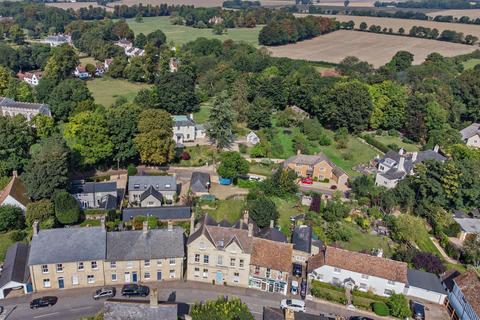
300,112
471,135
107,63
163,214
81,72
15,194
215,20
173,64
57,40
124,43
129,49
253,138
395,166
152,191
376,274
32,78
200,183
11,108
186,130
464,296
469,223
15,271
95,195
317,166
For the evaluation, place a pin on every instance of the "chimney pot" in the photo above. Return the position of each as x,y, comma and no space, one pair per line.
435,149
401,151
102,223
250,229
192,223
401,164
245,217
35,227
272,224
15,173
170,226
145,226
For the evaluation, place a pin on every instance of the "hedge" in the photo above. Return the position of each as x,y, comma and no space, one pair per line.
317,284
380,309
329,295
374,142
369,295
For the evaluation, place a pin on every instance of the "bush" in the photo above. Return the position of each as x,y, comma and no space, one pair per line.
11,217
380,309
185,156
17,235
398,305
452,230
369,295
67,209
40,210
242,148
131,170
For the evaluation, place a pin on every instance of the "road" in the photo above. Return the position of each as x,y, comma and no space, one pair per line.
77,303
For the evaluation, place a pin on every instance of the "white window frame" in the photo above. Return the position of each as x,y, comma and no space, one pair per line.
59,268
113,264
74,280
114,276
146,276
80,266
197,258
196,272
47,283
90,279
233,262
172,262
94,265
146,263
44,268
172,274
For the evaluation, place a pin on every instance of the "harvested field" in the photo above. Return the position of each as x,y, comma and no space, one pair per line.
407,24
377,49
471,13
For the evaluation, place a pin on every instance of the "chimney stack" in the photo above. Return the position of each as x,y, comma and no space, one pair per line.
401,151
289,314
170,226
299,152
401,164
272,224
435,149
35,227
414,156
154,298
14,173
250,229
245,217
102,223
145,226
192,223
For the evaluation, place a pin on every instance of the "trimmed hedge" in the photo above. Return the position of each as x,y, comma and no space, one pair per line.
329,295
369,295
317,284
380,309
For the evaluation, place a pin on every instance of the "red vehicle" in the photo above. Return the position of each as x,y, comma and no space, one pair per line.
307,180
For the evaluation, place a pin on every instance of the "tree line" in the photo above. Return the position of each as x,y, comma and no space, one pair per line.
431,4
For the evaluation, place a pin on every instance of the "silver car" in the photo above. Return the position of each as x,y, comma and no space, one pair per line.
293,304
108,292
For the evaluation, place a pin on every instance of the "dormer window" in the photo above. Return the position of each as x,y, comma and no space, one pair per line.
167,186
136,186
156,186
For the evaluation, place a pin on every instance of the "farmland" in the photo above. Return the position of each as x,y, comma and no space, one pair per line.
377,49
182,34
407,24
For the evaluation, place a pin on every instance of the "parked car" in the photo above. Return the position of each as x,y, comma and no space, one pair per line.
293,304
303,288
1,310
359,318
294,289
135,290
297,270
255,178
418,310
43,302
107,292
307,180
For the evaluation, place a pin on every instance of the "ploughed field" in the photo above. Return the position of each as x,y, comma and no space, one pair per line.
377,49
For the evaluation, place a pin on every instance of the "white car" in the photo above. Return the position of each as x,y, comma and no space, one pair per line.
294,289
293,304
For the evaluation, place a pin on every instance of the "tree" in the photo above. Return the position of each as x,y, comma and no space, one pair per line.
61,63
232,164
69,96
156,38
16,137
218,28
398,305
221,309
401,61
341,137
471,250
220,122
44,126
16,34
401,30
258,115
40,211
281,184
407,228
11,217
389,103
47,170
122,125
336,231
175,93
335,210
140,41
154,138
67,209
428,262
363,26
262,210
87,133
139,18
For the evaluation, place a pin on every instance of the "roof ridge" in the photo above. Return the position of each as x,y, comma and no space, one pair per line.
369,255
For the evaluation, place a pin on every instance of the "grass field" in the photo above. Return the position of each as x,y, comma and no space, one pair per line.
202,115
471,63
182,34
387,140
365,241
230,210
5,242
106,90
376,49
286,209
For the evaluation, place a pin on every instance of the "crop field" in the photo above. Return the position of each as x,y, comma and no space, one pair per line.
182,34
377,49
407,24
471,13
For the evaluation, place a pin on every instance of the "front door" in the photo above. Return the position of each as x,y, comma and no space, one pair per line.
127,277
134,277
219,277
270,287
61,283
159,275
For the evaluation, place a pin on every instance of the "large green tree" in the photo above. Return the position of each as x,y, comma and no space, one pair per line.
232,164
122,124
175,93
47,170
67,209
11,217
40,211
221,309
69,96
220,122
262,210
87,133
154,140
389,102
62,62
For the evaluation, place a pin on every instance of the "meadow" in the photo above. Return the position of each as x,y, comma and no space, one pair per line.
106,90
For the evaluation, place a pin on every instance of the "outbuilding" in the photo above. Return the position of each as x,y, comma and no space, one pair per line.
15,273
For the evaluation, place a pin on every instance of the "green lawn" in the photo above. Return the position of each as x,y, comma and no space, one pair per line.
286,209
261,169
106,90
202,115
86,60
5,242
386,140
365,241
230,210
469,64
199,156
182,34
425,244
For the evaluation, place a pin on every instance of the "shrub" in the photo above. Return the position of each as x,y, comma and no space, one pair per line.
242,148
67,210
40,210
428,262
18,235
185,156
398,305
369,295
452,230
380,309
131,170
11,217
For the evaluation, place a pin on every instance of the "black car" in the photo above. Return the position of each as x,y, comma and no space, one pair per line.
418,310
43,302
359,318
303,288
135,290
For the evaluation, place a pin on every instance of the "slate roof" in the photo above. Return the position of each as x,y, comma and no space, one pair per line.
16,189
270,313
272,254
425,280
145,245
360,263
162,213
15,266
121,309
199,181
10,103
160,183
272,234
302,238
469,284
182,121
448,277
92,187
470,131
150,192
109,202
67,245
469,225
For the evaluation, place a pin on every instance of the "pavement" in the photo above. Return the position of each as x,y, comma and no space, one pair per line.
78,303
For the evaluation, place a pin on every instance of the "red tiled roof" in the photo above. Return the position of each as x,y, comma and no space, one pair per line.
272,254
469,284
360,263
16,189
